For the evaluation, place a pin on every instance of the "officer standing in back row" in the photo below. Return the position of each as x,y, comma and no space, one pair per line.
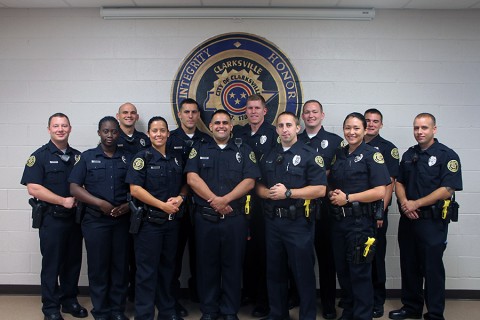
45,175
430,173
389,152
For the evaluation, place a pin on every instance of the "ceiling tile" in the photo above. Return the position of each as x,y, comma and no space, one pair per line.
171,3
99,3
234,3
440,4
379,4
34,3
304,3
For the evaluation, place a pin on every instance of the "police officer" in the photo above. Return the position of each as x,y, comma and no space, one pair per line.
220,173
325,143
98,180
181,141
132,141
389,152
45,176
430,173
261,137
293,174
156,179
358,177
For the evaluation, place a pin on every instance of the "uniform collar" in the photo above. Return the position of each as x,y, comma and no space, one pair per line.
99,152
295,148
430,149
53,148
357,151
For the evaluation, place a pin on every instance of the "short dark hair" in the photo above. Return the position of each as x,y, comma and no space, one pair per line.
107,119
288,113
357,115
221,111
313,101
189,101
156,118
58,115
374,111
427,115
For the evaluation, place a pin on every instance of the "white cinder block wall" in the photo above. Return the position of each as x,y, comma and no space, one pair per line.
402,62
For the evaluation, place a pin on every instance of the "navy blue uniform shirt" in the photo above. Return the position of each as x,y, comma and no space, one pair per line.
389,152
45,167
180,143
135,143
264,140
422,172
298,167
359,171
161,176
222,169
102,176
325,143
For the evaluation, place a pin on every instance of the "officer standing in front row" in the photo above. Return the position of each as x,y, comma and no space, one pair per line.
293,175
220,173
430,173
45,176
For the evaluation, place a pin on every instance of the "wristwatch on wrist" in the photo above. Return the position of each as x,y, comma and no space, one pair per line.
288,193
184,197
346,197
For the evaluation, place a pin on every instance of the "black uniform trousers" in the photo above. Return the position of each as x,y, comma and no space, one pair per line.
290,243
220,254
61,248
186,236
379,274
422,243
255,267
106,241
155,249
326,266
355,279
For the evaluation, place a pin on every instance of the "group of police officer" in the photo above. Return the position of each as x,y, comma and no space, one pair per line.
261,199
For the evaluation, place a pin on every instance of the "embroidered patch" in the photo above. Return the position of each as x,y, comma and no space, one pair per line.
395,154
193,154
452,165
319,161
31,161
138,164
343,143
378,157
252,157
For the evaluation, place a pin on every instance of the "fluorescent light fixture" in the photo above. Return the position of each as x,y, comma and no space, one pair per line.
281,13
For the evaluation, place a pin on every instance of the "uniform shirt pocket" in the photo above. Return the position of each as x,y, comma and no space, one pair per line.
96,171
54,173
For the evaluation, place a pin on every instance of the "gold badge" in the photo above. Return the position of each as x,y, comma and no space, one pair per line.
452,165
77,158
319,161
193,154
31,161
138,164
343,143
378,157
252,157
395,154
278,140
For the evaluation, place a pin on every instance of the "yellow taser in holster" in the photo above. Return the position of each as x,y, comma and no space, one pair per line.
247,205
306,204
368,244
446,204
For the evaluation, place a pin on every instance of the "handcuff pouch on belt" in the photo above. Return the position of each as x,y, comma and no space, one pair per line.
38,209
378,209
364,250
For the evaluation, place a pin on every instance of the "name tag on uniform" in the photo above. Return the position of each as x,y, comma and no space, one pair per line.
204,158
53,161
154,167
96,161
177,147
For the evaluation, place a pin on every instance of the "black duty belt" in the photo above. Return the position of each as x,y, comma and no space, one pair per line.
158,216
428,213
208,213
340,213
59,211
286,213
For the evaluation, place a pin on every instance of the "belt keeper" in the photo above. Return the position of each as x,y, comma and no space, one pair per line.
171,217
343,212
222,216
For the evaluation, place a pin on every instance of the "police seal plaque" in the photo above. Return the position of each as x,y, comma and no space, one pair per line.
223,71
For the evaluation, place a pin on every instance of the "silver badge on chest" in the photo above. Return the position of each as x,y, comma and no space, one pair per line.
176,162
263,139
296,160
358,158
239,157
142,142
324,144
124,159
432,160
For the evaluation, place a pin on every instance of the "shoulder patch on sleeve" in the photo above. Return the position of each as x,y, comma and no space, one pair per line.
452,165
252,157
319,161
138,164
193,153
378,157
31,161
395,154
